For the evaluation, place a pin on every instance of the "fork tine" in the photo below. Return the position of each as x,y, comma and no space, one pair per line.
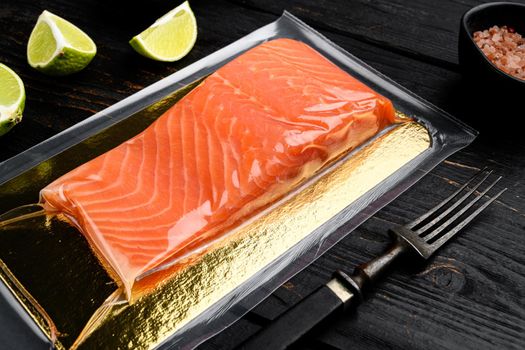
463,223
453,206
444,202
459,213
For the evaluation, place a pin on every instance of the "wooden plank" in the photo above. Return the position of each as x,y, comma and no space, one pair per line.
500,240
465,296
54,104
424,29
469,296
435,84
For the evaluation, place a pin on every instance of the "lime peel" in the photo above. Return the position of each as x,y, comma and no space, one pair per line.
60,42
67,58
11,114
187,35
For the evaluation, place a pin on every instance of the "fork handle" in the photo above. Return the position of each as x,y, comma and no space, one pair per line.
368,273
328,300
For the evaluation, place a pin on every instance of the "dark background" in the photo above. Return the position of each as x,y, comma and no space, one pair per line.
470,296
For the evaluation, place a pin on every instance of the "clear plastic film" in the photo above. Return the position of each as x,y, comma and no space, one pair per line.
282,123
246,136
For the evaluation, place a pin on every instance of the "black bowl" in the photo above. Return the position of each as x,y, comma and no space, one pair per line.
472,59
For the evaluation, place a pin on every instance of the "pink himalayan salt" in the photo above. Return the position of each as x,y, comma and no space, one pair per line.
505,48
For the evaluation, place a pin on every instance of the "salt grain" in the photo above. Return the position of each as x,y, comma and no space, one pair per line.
503,47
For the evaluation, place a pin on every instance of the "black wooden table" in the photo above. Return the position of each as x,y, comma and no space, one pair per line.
470,296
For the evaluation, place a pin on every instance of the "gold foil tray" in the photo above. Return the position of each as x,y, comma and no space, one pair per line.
52,271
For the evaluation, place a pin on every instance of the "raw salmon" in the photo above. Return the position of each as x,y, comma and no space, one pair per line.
247,135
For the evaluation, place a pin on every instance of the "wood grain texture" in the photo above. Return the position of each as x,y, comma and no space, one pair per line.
471,295
427,30
117,71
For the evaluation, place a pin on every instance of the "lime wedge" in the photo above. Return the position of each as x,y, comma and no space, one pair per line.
12,99
57,47
170,38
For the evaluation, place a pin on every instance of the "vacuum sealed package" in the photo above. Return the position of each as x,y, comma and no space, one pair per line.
166,217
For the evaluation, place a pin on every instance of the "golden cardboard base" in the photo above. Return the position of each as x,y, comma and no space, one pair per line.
193,284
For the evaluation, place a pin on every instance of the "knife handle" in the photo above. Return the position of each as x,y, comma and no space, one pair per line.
327,300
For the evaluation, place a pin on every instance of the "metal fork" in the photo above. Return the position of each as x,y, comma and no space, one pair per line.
421,238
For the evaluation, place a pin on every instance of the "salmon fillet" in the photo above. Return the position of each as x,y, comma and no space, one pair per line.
247,135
